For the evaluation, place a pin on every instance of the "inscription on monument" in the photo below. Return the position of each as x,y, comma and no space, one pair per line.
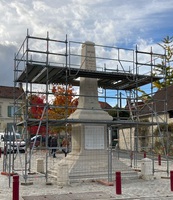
90,60
94,137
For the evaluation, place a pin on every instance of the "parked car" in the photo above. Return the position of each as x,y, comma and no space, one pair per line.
37,140
12,142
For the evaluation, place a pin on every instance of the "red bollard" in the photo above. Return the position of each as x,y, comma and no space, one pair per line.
159,159
171,180
145,154
15,187
118,182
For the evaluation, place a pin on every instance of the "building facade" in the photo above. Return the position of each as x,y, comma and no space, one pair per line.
7,108
157,132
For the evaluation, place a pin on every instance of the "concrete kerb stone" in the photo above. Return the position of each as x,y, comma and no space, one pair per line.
40,165
62,174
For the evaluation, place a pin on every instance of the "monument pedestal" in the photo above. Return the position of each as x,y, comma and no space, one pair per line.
89,157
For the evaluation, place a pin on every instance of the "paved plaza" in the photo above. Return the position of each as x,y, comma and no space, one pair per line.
138,189
157,188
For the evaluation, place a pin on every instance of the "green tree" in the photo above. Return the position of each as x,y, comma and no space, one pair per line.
165,67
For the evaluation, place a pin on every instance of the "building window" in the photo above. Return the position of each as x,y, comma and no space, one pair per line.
12,110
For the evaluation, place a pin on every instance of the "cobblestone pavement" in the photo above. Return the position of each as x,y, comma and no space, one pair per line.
137,189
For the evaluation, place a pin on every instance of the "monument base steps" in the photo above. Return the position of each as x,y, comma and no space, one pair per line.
92,167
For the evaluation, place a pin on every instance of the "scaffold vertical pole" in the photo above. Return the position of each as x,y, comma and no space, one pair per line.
110,155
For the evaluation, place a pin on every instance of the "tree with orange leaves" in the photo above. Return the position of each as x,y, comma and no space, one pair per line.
63,104
36,111
37,106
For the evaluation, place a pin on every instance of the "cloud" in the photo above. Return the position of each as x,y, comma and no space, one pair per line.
122,23
6,71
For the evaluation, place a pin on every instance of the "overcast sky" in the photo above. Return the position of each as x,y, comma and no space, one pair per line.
122,23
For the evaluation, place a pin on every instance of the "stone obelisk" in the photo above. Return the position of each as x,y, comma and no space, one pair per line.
90,136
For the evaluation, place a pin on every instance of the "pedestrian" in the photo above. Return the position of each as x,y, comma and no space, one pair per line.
49,140
65,146
49,144
53,144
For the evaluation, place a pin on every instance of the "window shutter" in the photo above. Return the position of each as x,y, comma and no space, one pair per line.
9,111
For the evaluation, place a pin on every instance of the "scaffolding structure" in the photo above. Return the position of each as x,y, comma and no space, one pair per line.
120,72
